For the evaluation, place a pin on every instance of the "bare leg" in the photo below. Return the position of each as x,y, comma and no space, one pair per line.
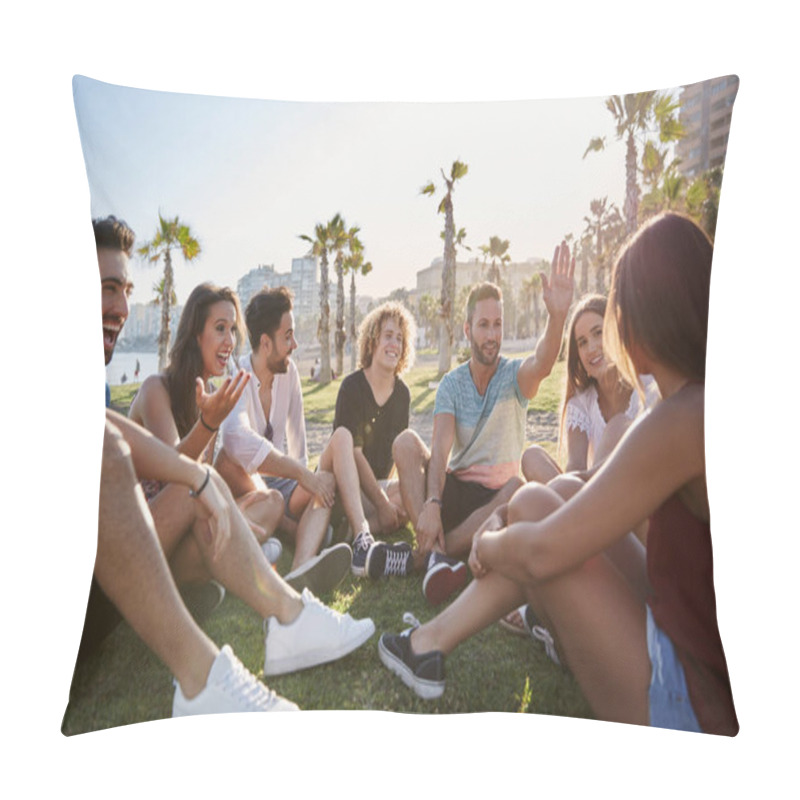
538,465
411,457
314,518
458,541
132,571
337,457
598,620
241,568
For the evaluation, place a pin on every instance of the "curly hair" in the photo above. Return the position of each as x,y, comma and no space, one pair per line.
185,359
370,330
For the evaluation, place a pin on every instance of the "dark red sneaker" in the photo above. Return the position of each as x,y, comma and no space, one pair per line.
445,576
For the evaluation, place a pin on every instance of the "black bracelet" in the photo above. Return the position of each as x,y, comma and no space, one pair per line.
434,500
206,425
193,493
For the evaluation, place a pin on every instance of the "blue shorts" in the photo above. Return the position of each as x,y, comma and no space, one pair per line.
670,705
285,486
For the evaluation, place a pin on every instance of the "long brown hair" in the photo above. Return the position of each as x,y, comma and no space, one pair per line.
578,380
659,297
185,359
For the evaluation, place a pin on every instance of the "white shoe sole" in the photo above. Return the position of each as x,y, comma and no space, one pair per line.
427,690
313,658
322,573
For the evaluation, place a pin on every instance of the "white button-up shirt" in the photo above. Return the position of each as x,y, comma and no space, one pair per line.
244,429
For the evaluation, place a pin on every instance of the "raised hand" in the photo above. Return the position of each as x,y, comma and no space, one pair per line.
215,406
557,292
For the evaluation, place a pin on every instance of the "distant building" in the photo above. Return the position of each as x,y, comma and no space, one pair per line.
144,322
468,273
706,116
303,280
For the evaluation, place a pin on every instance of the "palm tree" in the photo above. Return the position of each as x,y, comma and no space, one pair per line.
427,314
496,250
604,218
531,289
319,249
354,264
636,115
170,235
338,242
457,171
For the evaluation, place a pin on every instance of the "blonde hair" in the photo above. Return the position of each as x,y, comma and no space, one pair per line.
369,332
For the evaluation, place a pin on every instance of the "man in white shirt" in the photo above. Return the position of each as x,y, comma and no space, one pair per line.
264,435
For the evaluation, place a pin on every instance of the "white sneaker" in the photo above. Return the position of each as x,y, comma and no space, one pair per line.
229,688
272,549
317,636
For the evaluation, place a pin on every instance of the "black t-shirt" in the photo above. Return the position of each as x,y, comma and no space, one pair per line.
374,427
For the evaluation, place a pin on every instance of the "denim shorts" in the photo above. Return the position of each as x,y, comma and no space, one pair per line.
670,705
284,485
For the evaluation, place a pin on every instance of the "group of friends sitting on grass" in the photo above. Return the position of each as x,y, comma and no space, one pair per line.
606,561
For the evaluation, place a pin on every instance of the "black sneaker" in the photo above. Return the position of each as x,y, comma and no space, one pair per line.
443,578
424,674
363,544
385,560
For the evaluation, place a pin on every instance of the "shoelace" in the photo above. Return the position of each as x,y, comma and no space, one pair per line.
410,619
396,561
242,685
543,635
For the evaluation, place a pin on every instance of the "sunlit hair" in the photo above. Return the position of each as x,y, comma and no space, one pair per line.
482,291
659,298
185,359
113,234
578,380
264,313
369,332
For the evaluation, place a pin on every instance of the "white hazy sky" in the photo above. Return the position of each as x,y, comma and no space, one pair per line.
250,175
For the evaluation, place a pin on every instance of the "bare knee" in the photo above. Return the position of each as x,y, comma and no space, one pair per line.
566,486
341,439
408,449
538,465
533,502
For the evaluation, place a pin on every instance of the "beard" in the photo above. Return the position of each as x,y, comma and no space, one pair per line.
484,358
278,366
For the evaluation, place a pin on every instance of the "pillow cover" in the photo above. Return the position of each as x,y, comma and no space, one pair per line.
244,193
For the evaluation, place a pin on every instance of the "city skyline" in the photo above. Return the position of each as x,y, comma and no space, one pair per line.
250,176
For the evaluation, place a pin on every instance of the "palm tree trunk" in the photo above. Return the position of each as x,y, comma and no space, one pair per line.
166,296
340,337
448,289
631,187
324,327
353,320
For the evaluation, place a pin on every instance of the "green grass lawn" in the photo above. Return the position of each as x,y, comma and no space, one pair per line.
123,682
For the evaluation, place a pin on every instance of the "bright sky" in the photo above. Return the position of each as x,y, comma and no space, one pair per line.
249,176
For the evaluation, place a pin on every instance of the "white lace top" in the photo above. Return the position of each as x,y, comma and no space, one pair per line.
583,411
